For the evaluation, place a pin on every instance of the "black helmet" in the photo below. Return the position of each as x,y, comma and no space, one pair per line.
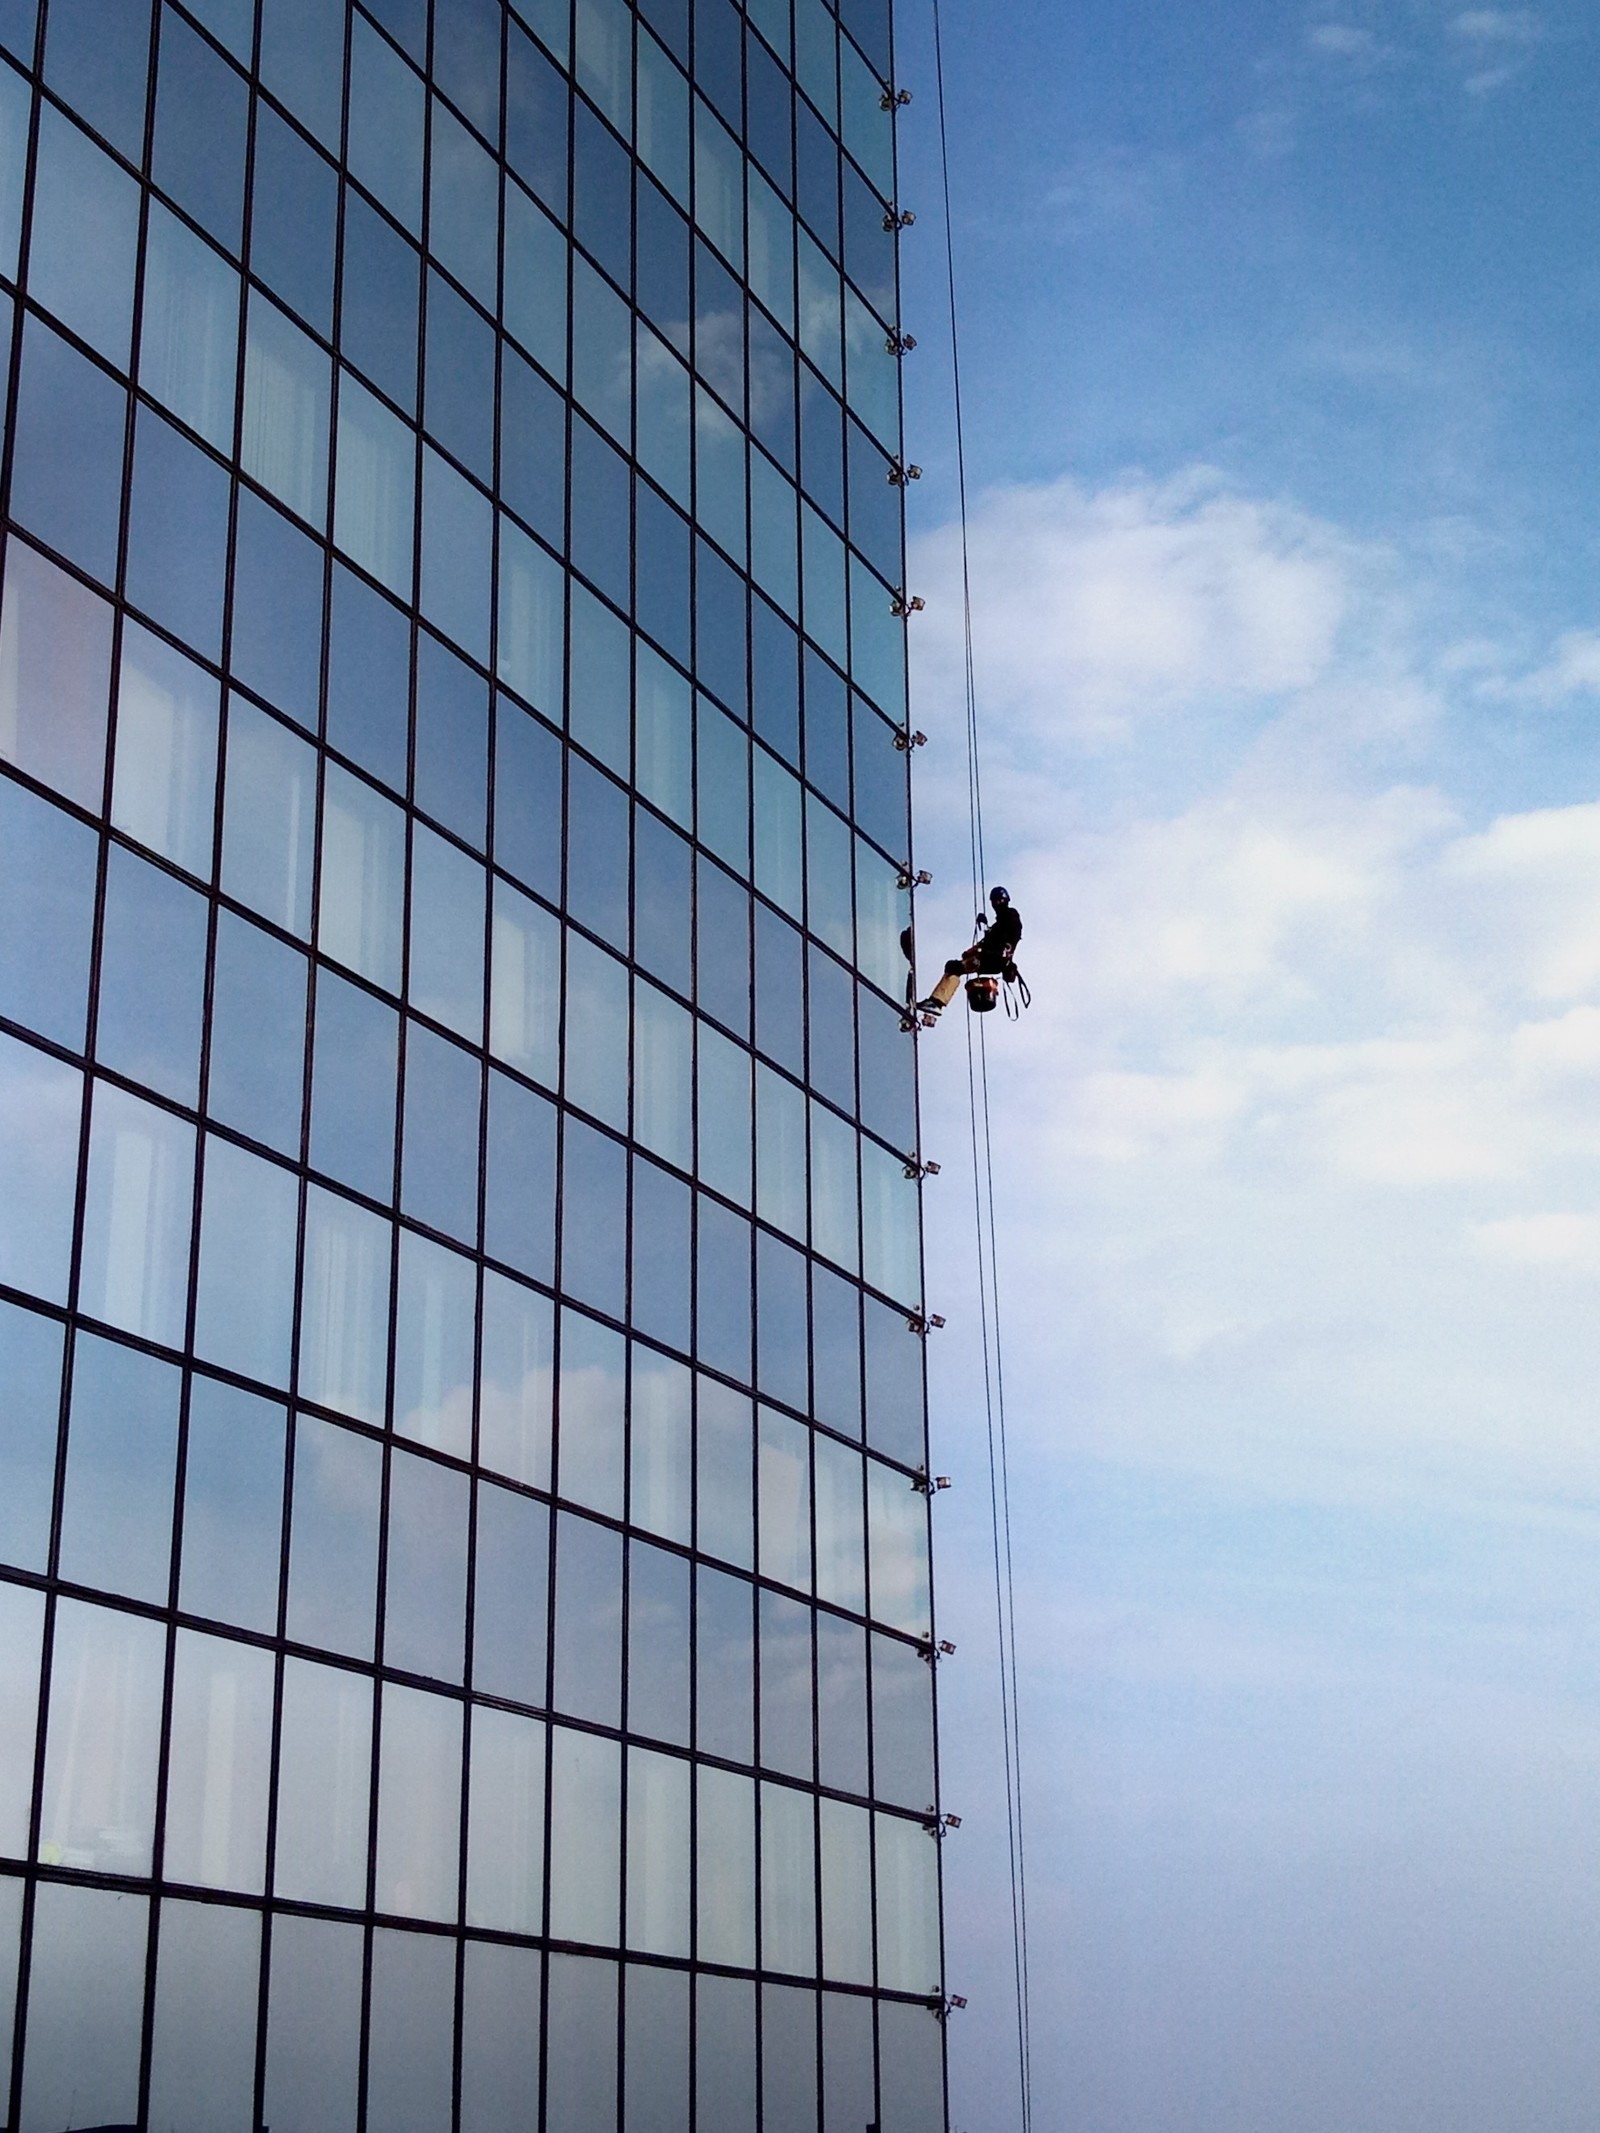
999,898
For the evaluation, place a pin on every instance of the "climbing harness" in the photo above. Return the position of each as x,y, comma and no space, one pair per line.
1012,987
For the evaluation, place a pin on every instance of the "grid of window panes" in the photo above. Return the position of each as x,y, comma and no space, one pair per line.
465,1627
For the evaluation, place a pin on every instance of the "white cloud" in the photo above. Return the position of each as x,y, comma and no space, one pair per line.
1343,40
1307,1109
1098,610
1498,26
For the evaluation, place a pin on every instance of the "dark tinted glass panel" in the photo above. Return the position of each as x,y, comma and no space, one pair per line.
670,21
533,447
662,1259
369,681
511,1590
352,1087
816,159
600,497
827,731
47,873
719,636
661,555
152,977
588,1668
781,1346
537,100
439,1172
258,1007
831,1030
772,403
658,1644
716,58
459,409
451,757
663,933
770,117
780,990
202,106
663,263
466,58
722,947
835,1351
602,197
277,609
378,319
527,799
294,207
775,680
177,534
894,1385
722,1292
821,445
30,1360
597,847
97,57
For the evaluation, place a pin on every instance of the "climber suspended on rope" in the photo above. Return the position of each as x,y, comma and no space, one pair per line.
987,965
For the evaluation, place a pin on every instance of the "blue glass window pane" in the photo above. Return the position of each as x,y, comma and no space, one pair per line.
451,761
19,22
444,1093
369,679
895,1419
816,159
47,870
775,668
302,62
602,339
600,546
868,23
827,731
30,1367
661,285
511,1595
533,600
97,59
785,1738
780,991
244,1301
720,632
769,126
269,817
519,1210
425,1590
293,215
594,1226
536,282
835,1351
66,478
466,58
888,1084
831,1029
722,785
15,107
882,794
722,948
781,1365
40,1102
407,22
841,1704
286,393
718,328
387,103
662,886
670,18
869,249
588,1659
84,244
122,1451
164,788
661,553
258,1008
333,1541
152,977
537,102
189,328
821,445
231,22
597,706
602,197
459,405
457,555
277,609
375,492
353,1081
658,1644
446,960
662,1260
597,853
772,389
533,448
724,1665
202,108
464,205
527,799
380,303
722,1290
177,534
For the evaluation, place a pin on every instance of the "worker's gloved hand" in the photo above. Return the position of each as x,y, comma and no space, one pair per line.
1010,973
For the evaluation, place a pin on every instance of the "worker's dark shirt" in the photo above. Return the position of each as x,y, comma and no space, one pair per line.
999,943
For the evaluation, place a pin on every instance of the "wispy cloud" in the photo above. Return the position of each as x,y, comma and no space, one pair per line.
1344,40
1498,42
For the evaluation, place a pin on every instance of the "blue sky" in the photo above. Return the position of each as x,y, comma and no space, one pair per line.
1283,437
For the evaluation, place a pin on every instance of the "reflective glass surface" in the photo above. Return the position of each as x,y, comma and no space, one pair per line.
464,1587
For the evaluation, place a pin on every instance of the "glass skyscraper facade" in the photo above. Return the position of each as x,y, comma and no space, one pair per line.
465,1624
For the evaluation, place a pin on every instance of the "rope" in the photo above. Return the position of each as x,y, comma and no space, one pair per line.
984,1215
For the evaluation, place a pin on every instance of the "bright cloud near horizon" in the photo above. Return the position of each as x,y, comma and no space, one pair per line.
1283,428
